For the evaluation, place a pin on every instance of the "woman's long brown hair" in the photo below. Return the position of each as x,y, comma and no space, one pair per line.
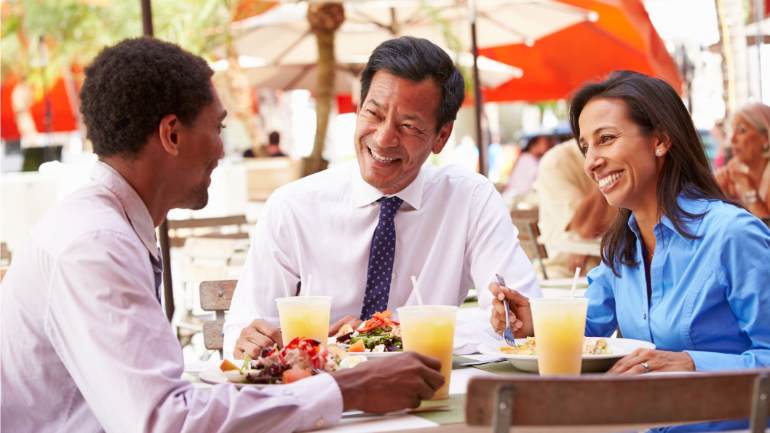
656,108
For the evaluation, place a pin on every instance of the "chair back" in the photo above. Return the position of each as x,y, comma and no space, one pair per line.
623,401
525,221
264,175
216,296
226,227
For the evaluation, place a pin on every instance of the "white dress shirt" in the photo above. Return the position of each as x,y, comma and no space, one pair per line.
86,346
453,233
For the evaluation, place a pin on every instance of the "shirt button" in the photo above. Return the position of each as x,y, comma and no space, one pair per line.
644,316
320,422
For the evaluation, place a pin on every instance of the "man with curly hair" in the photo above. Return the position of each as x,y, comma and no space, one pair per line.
85,345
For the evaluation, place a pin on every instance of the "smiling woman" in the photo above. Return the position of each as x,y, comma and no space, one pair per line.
682,267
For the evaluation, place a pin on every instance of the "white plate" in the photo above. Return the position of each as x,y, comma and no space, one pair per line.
619,347
375,355
368,355
215,376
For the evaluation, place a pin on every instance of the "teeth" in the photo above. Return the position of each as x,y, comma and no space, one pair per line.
381,158
609,180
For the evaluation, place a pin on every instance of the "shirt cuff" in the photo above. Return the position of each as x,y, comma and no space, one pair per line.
713,361
319,399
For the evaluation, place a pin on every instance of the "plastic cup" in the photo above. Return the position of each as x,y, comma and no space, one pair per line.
304,316
429,330
559,329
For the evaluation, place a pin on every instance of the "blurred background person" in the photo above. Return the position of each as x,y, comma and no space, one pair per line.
723,153
525,168
269,150
571,207
273,147
746,178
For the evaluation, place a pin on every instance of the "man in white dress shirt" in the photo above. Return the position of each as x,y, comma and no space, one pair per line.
361,230
85,344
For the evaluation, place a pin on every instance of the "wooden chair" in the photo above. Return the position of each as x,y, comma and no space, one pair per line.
226,227
216,296
525,221
618,401
264,175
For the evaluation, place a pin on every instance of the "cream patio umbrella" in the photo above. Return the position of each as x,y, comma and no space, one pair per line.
282,35
305,76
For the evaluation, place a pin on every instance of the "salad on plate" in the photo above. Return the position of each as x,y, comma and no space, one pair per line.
301,358
379,334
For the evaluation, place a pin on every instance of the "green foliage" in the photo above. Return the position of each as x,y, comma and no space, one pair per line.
41,38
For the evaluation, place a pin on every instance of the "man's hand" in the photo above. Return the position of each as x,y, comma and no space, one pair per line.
389,384
347,320
521,314
647,360
255,337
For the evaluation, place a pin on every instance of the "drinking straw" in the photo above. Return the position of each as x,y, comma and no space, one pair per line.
416,290
574,282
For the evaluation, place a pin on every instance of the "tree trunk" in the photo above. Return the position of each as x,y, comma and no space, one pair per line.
324,19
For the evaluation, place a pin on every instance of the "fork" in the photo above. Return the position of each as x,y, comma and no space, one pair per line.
507,333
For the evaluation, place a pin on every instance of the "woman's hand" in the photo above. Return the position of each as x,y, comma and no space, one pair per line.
520,317
725,182
646,360
739,175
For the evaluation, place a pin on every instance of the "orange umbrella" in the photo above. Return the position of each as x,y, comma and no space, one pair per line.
62,113
556,65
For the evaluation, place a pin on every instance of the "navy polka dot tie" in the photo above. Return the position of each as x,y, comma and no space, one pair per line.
381,259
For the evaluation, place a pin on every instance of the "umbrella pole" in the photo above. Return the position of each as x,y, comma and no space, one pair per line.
165,250
758,15
477,102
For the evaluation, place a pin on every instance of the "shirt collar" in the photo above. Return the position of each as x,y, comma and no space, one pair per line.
364,194
690,205
135,209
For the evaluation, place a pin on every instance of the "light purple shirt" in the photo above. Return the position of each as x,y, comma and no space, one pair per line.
86,346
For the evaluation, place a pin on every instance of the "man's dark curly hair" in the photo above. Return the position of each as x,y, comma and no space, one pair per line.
131,86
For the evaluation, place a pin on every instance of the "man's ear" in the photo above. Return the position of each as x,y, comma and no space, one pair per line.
169,134
442,137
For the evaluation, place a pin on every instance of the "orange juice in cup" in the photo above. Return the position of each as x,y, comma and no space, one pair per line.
559,329
429,330
304,316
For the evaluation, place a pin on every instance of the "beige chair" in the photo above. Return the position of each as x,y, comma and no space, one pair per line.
226,227
216,296
264,175
525,221
587,403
